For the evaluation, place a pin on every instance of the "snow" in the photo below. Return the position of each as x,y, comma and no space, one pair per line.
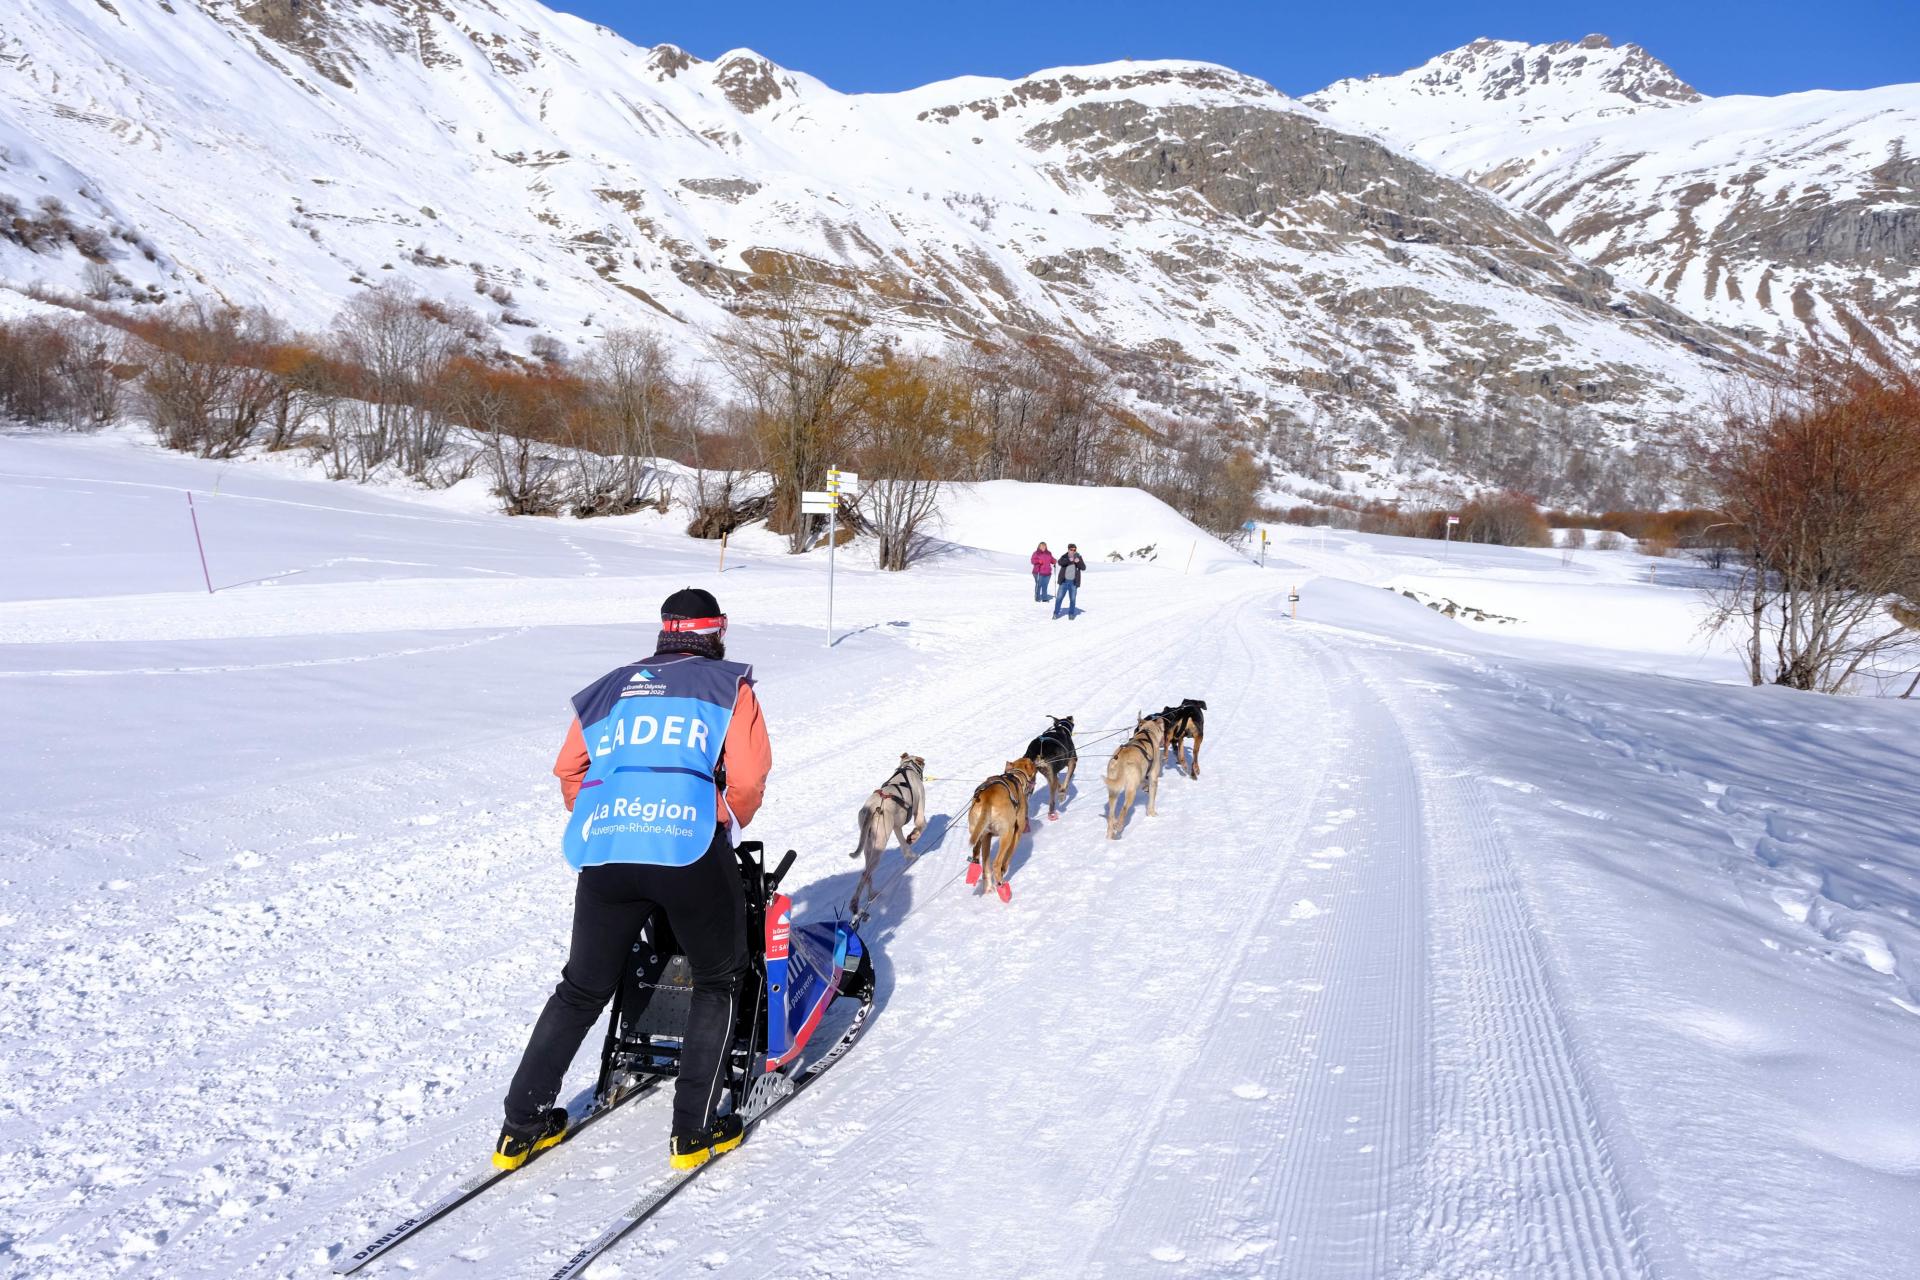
1546,948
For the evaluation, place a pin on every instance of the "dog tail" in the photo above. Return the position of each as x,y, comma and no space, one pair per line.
860,829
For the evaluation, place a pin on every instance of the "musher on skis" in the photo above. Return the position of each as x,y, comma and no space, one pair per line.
678,751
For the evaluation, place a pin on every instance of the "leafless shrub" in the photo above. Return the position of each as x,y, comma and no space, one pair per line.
1506,519
208,381
63,372
1821,479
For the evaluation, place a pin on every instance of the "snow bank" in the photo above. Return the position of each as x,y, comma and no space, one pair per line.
1013,516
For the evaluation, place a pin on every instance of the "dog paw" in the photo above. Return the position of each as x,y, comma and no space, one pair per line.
1005,891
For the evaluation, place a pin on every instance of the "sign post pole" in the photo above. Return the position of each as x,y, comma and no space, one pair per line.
833,536
826,502
1448,554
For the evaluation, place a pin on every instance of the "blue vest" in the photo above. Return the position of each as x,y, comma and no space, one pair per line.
654,732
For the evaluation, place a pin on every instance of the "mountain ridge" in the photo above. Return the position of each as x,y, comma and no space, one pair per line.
1793,220
1226,250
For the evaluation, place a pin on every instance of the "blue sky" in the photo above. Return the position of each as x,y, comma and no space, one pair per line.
1757,46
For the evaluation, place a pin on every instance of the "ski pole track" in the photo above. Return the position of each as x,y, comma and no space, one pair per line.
1520,1177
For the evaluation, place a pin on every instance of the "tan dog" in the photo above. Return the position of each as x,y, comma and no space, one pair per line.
901,797
999,812
1135,764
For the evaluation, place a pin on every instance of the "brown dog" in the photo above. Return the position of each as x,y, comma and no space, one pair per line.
901,797
1134,765
999,812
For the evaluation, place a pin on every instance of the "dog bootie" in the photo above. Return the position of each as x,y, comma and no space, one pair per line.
516,1144
1005,891
973,874
690,1151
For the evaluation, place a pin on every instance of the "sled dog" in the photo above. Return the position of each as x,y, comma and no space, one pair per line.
902,796
1051,753
1186,723
998,812
1134,765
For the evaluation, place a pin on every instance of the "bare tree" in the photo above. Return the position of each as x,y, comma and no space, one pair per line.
717,443
401,346
794,367
1822,480
631,397
511,411
909,413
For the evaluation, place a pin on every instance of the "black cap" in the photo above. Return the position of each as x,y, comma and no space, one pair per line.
690,602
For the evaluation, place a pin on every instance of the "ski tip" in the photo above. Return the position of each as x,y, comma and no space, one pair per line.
1005,891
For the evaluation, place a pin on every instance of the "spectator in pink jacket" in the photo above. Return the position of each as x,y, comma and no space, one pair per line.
1042,561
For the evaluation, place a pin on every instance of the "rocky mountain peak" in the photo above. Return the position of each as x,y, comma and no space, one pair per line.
669,60
750,82
1567,75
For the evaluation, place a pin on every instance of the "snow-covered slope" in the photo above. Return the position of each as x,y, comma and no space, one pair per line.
1787,218
1509,951
1212,241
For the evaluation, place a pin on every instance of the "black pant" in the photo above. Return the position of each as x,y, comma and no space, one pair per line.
611,903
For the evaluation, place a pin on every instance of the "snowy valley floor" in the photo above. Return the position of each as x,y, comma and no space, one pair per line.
1537,949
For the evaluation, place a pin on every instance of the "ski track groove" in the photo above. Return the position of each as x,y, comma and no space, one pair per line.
1509,1085
1336,1202
1128,1176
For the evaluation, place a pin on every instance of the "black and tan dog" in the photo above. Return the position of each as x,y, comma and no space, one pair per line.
901,797
998,812
1186,723
1053,755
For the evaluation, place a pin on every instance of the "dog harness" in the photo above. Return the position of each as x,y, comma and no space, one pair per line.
654,732
901,778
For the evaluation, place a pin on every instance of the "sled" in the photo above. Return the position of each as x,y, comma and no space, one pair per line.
795,974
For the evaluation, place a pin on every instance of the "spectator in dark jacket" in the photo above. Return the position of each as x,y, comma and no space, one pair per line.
1071,567
1042,561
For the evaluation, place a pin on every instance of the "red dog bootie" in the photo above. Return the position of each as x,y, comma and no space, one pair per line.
1005,891
973,874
